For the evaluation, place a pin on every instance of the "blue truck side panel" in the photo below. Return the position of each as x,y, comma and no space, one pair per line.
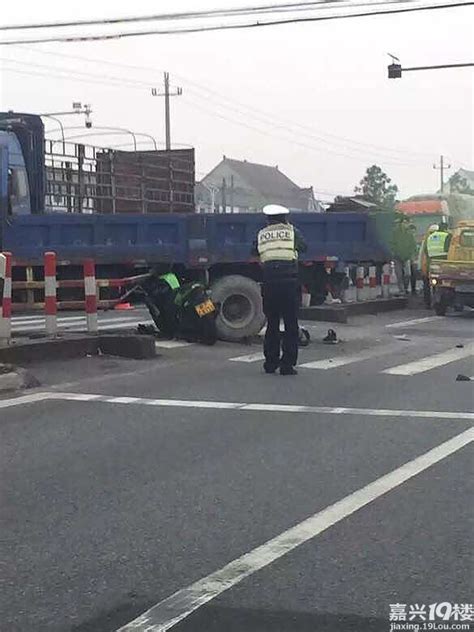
192,240
106,238
345,236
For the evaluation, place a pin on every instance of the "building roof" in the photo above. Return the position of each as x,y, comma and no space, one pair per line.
419,207
465,173
269,182
350,204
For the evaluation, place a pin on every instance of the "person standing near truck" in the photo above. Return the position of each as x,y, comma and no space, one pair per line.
434,246
437,244
278,246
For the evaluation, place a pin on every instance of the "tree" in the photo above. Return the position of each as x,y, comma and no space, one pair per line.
403,240
377,187
459,184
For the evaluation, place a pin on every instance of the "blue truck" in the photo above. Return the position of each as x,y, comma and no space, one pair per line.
134,211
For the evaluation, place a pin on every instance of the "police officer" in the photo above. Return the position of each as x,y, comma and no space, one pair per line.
278,245
437,243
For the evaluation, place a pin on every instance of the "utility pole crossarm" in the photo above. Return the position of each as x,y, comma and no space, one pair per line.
167,94
442,167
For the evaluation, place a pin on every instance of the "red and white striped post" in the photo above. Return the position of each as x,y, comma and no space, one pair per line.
6,296
360,274
372,282
50,291
386,280
90,291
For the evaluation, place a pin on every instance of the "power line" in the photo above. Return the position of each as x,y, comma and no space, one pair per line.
185,15
288,140
226,27
380,149
213,112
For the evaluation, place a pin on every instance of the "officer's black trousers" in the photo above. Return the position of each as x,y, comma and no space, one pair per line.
280,302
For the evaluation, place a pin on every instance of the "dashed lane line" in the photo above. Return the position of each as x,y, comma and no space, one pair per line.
169,612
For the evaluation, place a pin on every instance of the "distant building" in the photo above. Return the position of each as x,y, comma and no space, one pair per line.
236,186
461,182
353,204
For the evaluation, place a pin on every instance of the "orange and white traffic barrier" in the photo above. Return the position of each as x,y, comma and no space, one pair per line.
6,296
386,280
90,291
349,293
393,279
50,293
360,290
373,292
305,297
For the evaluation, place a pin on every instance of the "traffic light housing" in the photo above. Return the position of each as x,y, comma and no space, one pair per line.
395,71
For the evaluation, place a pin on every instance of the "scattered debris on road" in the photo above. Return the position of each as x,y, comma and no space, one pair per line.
331,338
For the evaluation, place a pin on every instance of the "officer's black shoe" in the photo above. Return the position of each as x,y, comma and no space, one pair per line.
288,370
270,368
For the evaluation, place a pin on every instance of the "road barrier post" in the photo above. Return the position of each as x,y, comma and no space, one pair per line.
372,282
386,280
90,292
6,296
360,292
50,293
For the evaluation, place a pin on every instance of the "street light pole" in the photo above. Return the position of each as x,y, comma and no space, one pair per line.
76,109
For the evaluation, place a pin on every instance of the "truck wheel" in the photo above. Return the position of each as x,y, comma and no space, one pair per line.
241,312
441,308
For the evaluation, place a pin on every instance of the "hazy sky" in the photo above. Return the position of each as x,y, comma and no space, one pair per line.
286,95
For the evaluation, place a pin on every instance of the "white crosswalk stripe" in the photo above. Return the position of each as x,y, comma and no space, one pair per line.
172,344
409,323
107,322
431,362
253,357
76,324
413,367
334,363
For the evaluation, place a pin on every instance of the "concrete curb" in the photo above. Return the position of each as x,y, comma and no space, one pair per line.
341,312
16,379
128,346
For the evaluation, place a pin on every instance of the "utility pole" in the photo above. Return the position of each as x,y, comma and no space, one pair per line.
167,94
442,166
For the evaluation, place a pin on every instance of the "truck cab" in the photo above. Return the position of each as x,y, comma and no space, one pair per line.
17,186
452,279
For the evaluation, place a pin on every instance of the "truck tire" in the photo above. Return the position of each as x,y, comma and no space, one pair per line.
241,311
440,308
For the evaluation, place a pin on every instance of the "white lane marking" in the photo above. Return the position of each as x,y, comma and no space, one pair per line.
253,357
40,319
78,323
270,408
114,324
335,362
24,399
172,344
431,362
408,323
169,612
78,397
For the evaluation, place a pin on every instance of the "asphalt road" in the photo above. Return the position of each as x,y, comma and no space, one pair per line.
287,504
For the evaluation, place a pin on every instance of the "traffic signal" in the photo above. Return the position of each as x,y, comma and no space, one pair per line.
395,71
